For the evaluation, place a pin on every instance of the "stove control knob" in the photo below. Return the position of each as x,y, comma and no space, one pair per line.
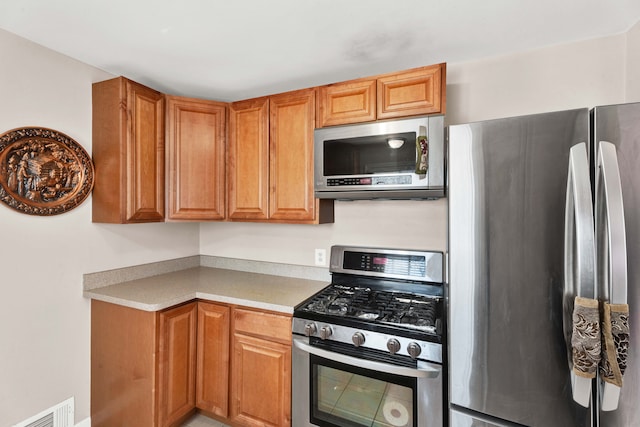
358,339
413,349
325,332
310,329
393,345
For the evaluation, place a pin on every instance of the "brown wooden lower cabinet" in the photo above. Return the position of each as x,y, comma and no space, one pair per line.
176,364
261,369
123,366
142,365
212,378
154,369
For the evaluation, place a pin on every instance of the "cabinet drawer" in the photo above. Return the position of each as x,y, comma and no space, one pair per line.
262,324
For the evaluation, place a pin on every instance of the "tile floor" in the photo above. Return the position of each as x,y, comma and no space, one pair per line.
202,421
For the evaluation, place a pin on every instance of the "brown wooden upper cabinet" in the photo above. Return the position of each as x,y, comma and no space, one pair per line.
195,159
128,152
419,91
348,102
248,160
270,160
269,153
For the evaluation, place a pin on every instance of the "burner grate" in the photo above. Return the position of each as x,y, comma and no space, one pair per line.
400,309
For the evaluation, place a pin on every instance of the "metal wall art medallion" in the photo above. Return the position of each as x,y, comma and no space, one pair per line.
43,171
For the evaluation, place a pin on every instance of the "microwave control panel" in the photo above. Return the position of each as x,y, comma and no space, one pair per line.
371,180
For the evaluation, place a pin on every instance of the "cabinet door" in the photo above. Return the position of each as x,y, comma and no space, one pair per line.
248,160
128,152
261,382
212,379
195,145
123,363
414,92
176,363
348,102
292,121
145,148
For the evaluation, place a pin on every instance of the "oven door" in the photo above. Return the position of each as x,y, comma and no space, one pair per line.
337,390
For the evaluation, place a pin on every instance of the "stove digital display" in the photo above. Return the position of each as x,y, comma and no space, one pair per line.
405,265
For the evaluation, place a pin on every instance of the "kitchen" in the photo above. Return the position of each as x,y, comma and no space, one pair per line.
46,329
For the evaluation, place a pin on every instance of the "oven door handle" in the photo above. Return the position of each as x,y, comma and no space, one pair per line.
422,372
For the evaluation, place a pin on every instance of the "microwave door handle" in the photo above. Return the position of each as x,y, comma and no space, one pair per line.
579,256
612,247
422,372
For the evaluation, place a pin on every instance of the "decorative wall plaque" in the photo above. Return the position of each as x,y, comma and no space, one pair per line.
43,171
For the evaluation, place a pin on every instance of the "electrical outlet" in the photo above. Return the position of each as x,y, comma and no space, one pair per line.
321,257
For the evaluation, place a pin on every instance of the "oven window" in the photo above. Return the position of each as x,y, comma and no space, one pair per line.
347,396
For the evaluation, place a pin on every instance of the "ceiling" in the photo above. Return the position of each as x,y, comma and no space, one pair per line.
238,49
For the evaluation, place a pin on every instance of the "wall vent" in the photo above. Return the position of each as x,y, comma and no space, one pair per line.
60,415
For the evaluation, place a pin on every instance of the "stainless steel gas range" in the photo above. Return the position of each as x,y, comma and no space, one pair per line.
368,349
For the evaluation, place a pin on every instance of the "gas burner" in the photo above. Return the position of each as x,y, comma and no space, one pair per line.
367,315
335,300
423,320
318,305
337,308
400,309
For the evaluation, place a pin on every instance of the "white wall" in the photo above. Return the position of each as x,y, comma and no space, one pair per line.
576,75
633,64
44,332
569,76
396,224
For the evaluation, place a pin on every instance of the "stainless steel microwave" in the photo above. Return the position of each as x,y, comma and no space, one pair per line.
398,159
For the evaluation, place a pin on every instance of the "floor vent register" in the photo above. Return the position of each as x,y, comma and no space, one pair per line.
60,415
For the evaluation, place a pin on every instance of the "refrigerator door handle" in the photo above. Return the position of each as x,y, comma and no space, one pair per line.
611,263
579,256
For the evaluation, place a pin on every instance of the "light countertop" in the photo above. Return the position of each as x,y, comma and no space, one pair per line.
262,291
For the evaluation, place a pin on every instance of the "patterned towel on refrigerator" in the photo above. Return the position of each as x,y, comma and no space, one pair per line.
586,341
615,342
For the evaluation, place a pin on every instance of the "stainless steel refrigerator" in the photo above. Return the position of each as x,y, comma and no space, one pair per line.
533,225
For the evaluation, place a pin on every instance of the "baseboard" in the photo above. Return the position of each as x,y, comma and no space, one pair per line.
84,423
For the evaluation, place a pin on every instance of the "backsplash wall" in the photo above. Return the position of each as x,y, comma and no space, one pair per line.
404,224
